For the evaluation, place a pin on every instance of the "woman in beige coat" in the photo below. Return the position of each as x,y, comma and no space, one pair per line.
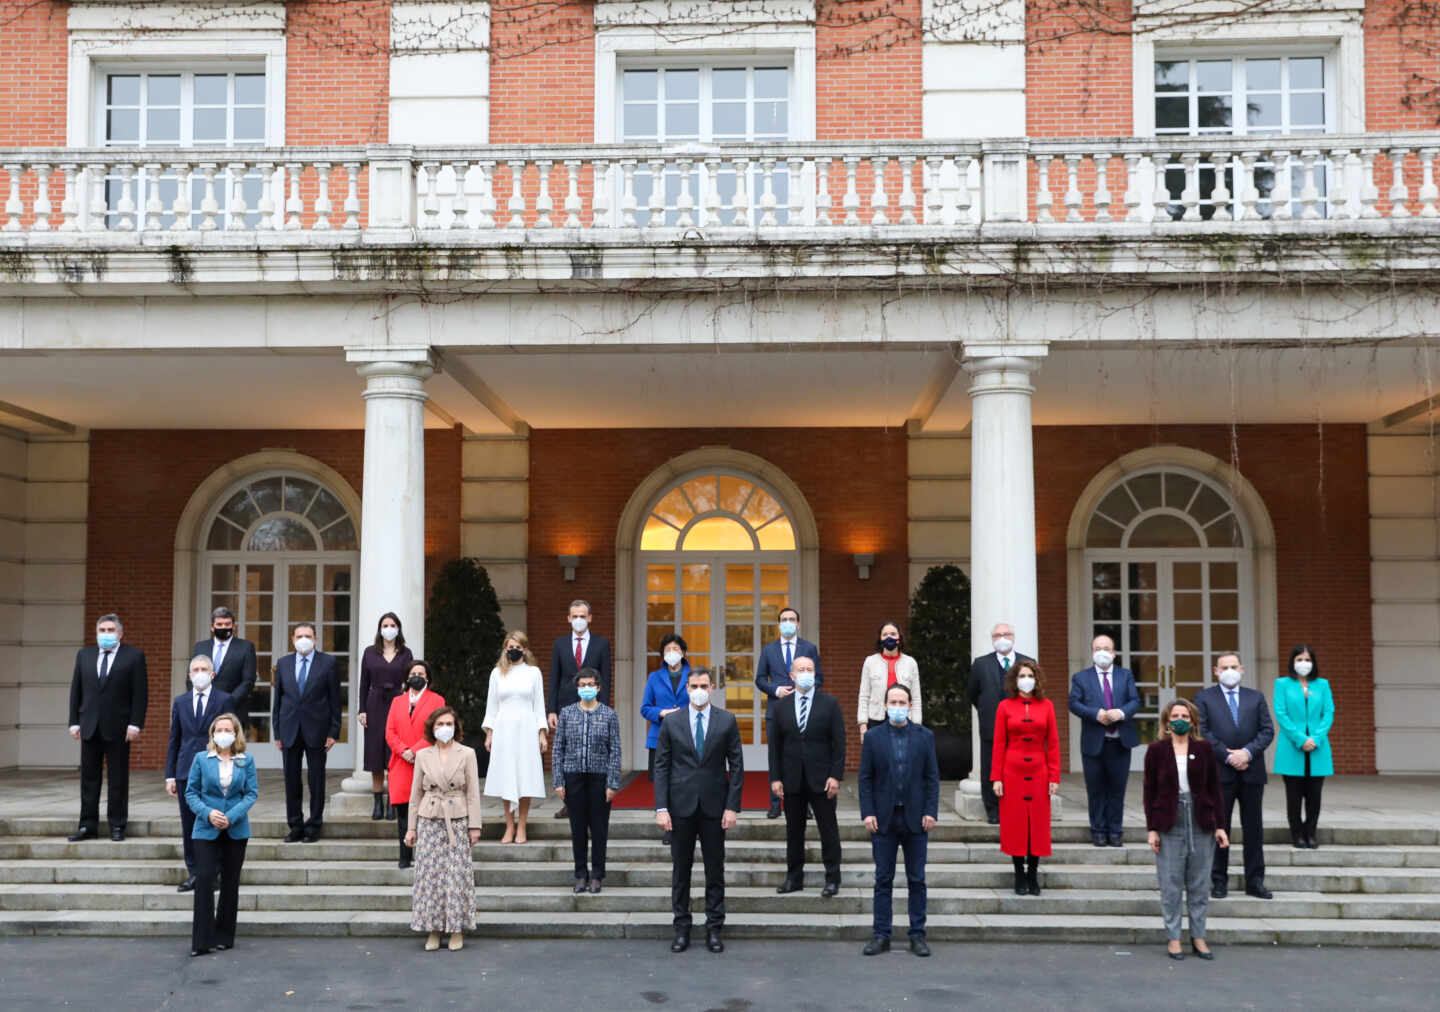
888,666
444,826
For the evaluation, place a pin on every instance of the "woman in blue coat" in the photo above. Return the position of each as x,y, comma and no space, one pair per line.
665,692
223,786
1304,711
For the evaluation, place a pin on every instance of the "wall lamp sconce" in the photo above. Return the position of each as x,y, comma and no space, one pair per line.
863,561
569,563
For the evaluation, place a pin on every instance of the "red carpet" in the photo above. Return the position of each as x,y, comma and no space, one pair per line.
640,793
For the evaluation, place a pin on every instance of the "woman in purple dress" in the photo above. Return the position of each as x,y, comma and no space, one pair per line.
383,668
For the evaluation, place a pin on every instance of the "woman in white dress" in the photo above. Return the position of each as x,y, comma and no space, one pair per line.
514,715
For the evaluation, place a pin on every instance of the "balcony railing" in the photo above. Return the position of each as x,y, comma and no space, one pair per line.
1150,185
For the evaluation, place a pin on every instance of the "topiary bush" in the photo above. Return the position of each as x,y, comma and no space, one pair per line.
463,637
939,640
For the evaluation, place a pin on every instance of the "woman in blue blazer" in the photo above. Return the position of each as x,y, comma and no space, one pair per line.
665,690
1304,710
223,785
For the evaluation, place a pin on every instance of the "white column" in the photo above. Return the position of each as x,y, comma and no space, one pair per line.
1002,513
392,526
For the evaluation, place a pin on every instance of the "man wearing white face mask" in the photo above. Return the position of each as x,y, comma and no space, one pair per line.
772,672
1106,700
1236,722
190,716
985,690
305,722
581,648
807,763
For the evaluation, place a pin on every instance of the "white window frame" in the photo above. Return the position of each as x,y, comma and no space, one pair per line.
1237,57
705,94
187,72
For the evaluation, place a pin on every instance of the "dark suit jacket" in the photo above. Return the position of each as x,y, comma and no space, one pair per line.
1087,697
880,786
314,716
120,702
986,688
236,676
685,782
771,675
189,736
1162,786
800,760
563,670
1255,731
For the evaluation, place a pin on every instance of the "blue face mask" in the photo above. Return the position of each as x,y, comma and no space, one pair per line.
107,641
788,628
805,681
897,714
588,692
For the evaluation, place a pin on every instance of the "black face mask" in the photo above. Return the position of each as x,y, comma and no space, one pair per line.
224,634
890,643
515,654
416,682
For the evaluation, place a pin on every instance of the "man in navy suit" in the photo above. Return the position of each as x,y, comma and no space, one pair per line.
108,696
772,673
234,661
900,802
191,714
1236,723
305,722
1105,699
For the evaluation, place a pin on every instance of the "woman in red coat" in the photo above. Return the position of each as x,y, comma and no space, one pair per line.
405,735
1027,759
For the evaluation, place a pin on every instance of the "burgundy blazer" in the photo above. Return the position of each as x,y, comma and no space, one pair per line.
1162,786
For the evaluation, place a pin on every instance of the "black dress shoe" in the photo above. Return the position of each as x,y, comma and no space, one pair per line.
790,885
223,946
1297,841
581,884
1099,840
994,820
82,833
1258,890
681,943
1219,890
1311,844
200,952
564,813
117,835
187,886
310,836
774,812
389,811
831,889
713,943
295,835
1032,883
1022,888
404,862
918,946
1207,954
1177,956
876,946
1116,840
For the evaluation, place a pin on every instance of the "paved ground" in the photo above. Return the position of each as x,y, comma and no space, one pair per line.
626,976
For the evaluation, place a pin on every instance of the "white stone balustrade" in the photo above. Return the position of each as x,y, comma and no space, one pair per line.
1111,185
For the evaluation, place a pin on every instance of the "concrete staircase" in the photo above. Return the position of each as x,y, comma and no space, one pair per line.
1364,886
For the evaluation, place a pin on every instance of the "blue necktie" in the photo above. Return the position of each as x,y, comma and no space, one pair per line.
699,734
789,656
1233,699
219,656
304,674
804,711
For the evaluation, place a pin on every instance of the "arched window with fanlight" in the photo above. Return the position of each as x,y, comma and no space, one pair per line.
718,560
1169,564
281,548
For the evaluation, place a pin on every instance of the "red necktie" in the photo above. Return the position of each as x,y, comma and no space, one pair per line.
579,652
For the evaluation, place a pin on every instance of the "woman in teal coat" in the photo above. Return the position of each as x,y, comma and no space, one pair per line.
1304,711
221,791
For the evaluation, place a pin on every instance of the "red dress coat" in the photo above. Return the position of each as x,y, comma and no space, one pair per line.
1026,760
403,730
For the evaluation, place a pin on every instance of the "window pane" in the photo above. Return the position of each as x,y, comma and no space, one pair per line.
1179,489
702,493
658,536
682,84
777,536
1307,72
674,508
211,89
639,84
337,579
1213,75
719,534
281,534
1186,575
761,507
740,578
339,537
771,119
1103,534
209,125
1263,110
325,509
733,493
250,125
267,494
1213,111
640,122
728,83
1307,110
162,126
772,82
660,577
1262,75
728,119
682,119
1172,113
696,577
1172,75
224,537
249,89
224,578
1146,489
163,89
240,509
123,89
298,494
1163,531
122,125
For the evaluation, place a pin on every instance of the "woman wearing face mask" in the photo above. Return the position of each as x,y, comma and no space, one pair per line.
1182,812
665,693
1026,758
405,735
221,790
444,826
586,767
514,715
888,666
383,669
1304,711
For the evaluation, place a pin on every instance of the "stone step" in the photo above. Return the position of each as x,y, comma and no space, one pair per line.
560,900
942,928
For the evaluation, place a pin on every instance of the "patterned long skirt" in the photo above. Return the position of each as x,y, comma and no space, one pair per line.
443,898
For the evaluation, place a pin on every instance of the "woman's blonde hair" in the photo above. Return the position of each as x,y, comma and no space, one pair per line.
239,745
519,637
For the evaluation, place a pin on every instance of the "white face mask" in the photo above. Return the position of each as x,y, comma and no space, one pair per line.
201,680
673,659
699,697
1103,658
1025,683
1303,668
579,624
1004,645
224,739
444,733
389,633
303,645
1230,677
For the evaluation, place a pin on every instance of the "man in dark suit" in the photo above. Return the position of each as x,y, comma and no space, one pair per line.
1236,723
900,802
699,774
305,718
191,714
234,661
1105,699
772,674
807,763
580,649
985,689
108,695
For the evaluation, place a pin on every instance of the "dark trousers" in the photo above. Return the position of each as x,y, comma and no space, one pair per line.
98,756
589,818
220,858
402,825
187,825
650,770
1303,791
1106,775
987,786
884,846
796,803
688,829
1251,822
314,756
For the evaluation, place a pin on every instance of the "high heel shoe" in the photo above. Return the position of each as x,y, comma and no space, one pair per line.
1206,954
457,941
433,942
378,812
1177,956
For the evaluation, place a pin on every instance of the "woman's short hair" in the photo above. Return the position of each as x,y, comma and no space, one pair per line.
675,638
1194,717
418,663
587,673
1012,686
1296,651
880,636
239,745
436,714
519,637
